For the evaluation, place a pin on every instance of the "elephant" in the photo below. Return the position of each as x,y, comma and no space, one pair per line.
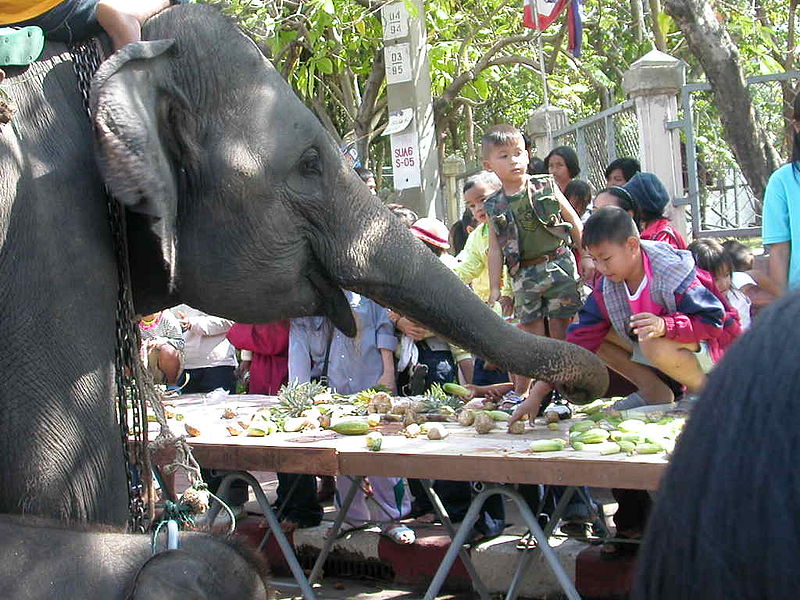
48,560
237,202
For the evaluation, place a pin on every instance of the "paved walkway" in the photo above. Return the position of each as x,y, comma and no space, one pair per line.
412,567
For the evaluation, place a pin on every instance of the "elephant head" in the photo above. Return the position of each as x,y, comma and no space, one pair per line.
239,202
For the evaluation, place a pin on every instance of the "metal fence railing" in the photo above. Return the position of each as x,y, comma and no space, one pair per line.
721,202
601,138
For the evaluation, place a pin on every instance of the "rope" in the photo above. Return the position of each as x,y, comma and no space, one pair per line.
133,382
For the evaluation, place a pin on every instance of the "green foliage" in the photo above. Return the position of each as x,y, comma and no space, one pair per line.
326,50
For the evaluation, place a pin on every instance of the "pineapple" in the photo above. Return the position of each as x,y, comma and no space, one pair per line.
295,398
436,400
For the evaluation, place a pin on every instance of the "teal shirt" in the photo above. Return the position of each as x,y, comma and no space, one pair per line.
781,217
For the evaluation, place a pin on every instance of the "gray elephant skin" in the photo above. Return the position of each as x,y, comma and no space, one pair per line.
49,561
237,202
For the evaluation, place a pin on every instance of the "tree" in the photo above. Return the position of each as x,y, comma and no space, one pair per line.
713,47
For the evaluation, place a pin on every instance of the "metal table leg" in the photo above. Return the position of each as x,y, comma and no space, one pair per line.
334,531
441,512
272,522
533,525
526,559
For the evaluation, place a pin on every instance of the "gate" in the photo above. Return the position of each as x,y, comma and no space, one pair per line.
601,138
720,201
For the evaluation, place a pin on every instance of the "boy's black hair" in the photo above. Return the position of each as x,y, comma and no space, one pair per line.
486,177
499,136
625,199
628,166
697,544
536,166
570,159
608,224
741,256
579,191
364,173
458,231
710,256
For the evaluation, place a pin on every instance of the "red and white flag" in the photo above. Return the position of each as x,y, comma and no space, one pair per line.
548,11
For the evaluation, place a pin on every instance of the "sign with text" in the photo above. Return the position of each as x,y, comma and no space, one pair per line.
405,159
398,63
394,18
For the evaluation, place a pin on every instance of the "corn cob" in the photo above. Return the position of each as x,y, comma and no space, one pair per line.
626,446
547,445
593,436
498,415
646,448
631,425
582,426
609,448
456,390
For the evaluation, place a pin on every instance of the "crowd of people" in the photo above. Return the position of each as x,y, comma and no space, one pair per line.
606,271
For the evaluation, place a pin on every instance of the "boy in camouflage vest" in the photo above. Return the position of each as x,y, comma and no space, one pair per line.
532,224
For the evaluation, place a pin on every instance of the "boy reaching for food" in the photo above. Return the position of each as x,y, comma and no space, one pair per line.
652,311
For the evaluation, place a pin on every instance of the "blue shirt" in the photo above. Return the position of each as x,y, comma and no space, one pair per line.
781,217
353,364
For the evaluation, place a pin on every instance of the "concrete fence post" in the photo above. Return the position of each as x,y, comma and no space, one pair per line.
536,128
654,82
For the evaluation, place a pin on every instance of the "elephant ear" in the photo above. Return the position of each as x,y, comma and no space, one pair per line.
146,135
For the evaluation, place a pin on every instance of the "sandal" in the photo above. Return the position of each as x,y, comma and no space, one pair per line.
527,542
620,549
576,529
400,534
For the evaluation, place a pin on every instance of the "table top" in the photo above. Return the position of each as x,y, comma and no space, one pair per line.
463,455
307,452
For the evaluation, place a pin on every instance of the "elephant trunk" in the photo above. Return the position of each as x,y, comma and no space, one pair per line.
371,252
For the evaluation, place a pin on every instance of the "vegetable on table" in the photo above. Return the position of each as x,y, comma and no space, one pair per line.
553,445
351,427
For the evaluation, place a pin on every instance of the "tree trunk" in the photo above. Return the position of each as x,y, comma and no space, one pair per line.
658,35
367,106
710,43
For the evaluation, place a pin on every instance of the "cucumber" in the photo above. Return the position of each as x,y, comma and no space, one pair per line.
351,427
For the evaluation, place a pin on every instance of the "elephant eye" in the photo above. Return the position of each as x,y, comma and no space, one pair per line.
310,163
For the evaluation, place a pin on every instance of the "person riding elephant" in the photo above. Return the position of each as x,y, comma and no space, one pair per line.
236,201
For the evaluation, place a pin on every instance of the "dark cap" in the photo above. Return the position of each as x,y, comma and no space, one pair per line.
648,192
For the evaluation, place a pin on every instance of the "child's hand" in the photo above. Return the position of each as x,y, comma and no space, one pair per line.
412,329
647,326
527,408
494,296
587,268
507,304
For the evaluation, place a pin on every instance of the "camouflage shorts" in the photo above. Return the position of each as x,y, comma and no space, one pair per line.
550,289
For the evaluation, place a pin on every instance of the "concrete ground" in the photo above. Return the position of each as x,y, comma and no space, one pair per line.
495,560
335,589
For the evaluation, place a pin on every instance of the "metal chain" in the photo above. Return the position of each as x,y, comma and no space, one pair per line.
133,387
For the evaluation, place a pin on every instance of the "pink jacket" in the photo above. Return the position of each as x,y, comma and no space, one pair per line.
269,344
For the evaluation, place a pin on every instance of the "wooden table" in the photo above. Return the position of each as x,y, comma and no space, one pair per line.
312,453
499,457
464,455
